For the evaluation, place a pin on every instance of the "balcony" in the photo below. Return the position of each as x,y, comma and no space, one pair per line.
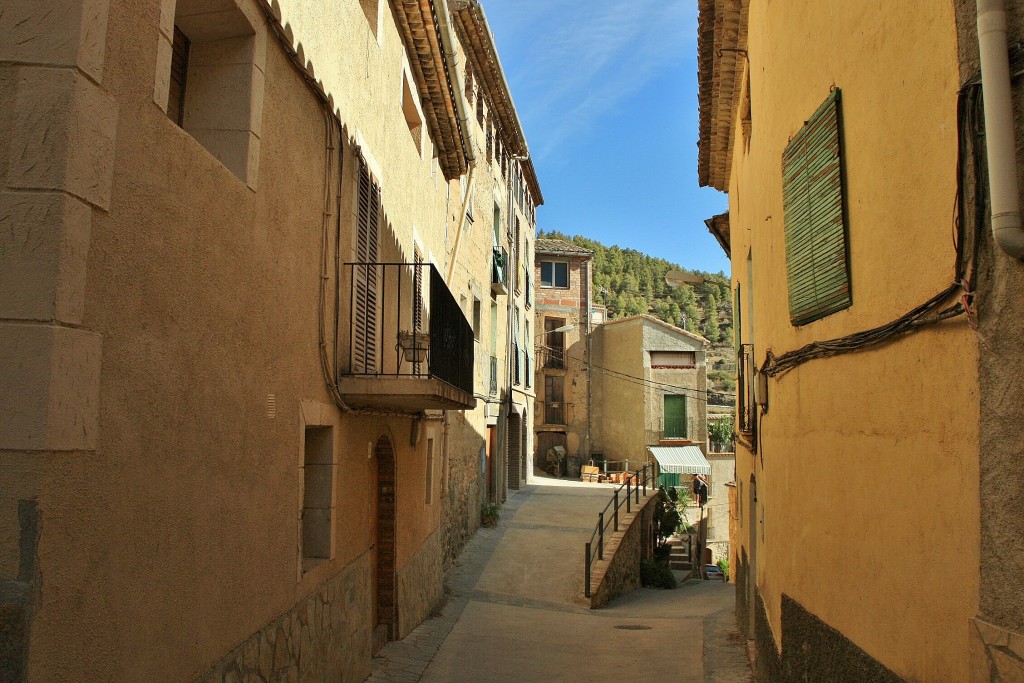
499,271
673,430
410,348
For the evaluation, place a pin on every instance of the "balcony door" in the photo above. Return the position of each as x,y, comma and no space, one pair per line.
365,318
675,417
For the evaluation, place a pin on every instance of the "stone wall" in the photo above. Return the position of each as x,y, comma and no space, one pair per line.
420,584
324,637
619,572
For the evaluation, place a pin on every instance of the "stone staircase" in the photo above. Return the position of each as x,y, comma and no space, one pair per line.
679,556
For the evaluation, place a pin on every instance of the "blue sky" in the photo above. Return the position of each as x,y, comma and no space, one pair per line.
607,94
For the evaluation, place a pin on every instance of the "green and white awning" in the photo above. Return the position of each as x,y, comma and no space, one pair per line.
680,459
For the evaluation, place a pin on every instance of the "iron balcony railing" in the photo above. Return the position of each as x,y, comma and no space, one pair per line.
745,388
554,357
409,308
555,413
499,270
641,478
672,428
494,376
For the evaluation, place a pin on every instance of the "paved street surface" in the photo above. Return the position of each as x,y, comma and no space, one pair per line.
513,611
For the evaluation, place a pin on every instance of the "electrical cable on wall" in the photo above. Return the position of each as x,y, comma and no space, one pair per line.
970,129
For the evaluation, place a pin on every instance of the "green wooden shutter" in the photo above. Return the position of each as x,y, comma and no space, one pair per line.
812,195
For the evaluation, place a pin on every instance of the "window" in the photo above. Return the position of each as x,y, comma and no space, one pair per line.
179,77
554,342
430,472
516,245
497,225
371,9
554,274
317,495
812,195
411,111
673,359
554,412
210,82
527,347
675,417
364,334
476,318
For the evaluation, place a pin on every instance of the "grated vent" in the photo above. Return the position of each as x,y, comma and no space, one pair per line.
271,406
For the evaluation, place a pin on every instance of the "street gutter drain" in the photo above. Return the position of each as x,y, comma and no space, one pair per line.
633,627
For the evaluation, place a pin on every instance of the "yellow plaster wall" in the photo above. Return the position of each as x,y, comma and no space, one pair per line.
869,483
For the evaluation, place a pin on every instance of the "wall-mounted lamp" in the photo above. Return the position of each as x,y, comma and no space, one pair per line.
414,346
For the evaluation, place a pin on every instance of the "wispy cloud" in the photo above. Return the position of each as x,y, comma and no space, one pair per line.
578,59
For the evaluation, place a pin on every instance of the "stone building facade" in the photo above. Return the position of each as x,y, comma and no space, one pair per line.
244,416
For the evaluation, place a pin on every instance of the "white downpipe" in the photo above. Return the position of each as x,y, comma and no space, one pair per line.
999,128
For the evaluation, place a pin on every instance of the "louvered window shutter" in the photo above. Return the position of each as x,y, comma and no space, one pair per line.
816,254
364,337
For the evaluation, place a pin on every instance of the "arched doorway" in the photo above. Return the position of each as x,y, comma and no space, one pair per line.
515,450
385,609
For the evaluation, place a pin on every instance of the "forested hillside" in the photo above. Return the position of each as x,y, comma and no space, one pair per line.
629,282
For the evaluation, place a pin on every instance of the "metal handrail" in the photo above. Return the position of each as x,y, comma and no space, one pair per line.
642,476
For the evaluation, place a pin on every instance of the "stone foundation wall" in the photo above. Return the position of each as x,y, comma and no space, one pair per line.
619,572
324,637
811,649
739,576
420,584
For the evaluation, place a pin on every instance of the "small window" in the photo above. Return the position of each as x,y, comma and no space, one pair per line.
673,359
430,472
411,111
210,80
317,495
371,9
476,318
554,274
179,77
812,198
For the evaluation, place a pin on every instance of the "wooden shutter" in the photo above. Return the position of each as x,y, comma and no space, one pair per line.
364,337
816,254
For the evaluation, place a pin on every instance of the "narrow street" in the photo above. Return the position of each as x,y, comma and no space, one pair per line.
513,610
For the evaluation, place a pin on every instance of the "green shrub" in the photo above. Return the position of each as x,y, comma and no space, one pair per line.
489,514
723,564
654,575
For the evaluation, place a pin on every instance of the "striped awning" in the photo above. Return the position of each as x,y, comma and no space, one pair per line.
680,459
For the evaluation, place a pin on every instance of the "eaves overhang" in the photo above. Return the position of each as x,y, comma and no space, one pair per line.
719,227
721,53
421,35
530,174
478,42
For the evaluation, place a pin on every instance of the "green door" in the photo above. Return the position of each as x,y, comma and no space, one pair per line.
675,417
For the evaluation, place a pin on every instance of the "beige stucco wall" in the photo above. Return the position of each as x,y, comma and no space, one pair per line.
168,494
628,413
868,489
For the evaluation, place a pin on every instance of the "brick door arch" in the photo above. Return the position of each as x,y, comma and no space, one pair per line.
385,604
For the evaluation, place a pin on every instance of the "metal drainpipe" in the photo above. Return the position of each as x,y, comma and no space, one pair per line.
999,127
